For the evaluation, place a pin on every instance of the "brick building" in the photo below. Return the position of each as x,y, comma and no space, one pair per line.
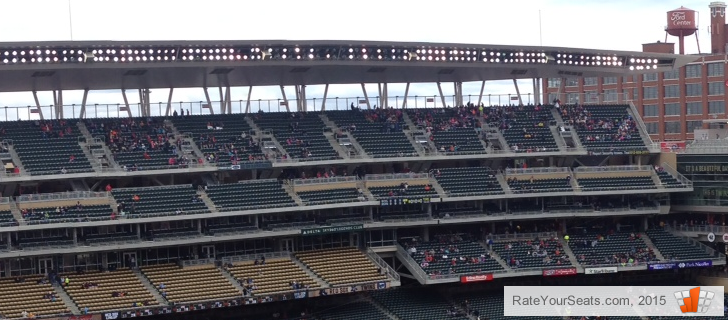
671,103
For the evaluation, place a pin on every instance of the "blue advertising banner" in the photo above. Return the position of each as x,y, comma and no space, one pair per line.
679,265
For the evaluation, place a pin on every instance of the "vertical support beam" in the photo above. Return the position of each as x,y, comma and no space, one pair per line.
536,93
518,92
458,86
228,100
247,103
126,102
147,103
406,92
326,94
304,101
297,90
141,103
209,102
480,96
442,96
285,99
59,105
366,97
379,87
385,95
169,102
222,99
562,89
37,105
82,113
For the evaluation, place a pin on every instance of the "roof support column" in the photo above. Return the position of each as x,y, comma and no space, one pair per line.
442,96
169,102
247,103
385,95
458,86
222,99
480,96
406,92
285,99
518,92
381,97
209,102
82,113
562,88
58,103
297,91
366,97
326,94
144,103
304,100
126,103
536,92
228,100
37,109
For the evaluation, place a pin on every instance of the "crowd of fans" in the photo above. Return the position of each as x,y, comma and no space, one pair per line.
447,249
620,129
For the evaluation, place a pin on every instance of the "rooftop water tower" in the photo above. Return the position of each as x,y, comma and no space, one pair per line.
682,22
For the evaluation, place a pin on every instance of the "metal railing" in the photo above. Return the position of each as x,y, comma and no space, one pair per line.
256,181
382,264
521,236
396,176
613,169
409,261
644,134
707,228
4,200
679,176
315,181
544,170
196,262
176,186
71,195
254,256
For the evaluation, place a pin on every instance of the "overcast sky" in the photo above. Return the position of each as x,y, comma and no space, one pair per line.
615,24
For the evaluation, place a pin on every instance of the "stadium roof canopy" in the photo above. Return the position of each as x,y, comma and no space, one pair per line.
100,65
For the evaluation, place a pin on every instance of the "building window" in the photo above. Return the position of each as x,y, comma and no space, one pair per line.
672,74
572,97
552,97
672,127
554,82
609,80
692,125
693,71
652,127
591,97
716,88
627,79
694,108
694,89
672,109
610,95
572,82
650,110
649,77
649,93
591,81
715,69
672,91
716,107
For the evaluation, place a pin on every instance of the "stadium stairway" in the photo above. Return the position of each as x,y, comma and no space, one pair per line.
642,128
91,144
558,138
67,301
207,201
263,136
337,147
310,272
188,143
360,184
496,257
354,144
292,193
570,254
230,278
656,180
380,307
150,287
436,185
410,132
504,184
16,213
15,158
649,244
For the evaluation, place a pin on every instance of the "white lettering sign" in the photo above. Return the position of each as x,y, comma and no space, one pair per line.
679,19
